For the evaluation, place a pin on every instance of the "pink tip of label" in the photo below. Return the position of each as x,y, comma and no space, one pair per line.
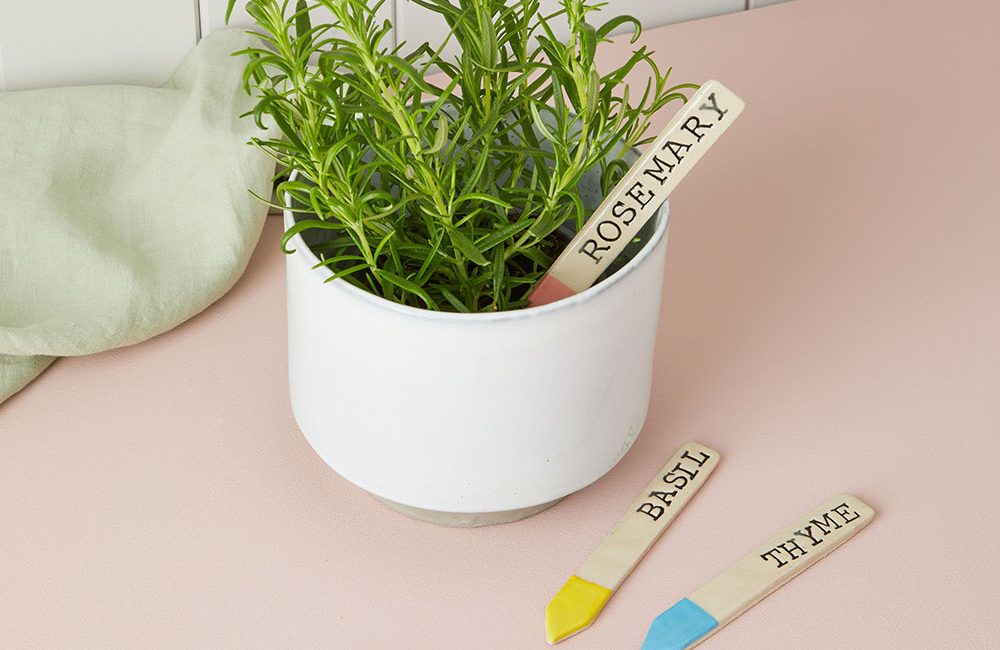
550,289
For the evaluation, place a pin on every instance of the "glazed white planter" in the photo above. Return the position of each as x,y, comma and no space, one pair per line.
472,418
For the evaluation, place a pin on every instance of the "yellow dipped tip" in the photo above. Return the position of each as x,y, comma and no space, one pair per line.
574,608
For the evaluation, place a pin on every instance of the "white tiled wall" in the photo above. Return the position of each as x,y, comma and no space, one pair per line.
60,42
415,24
213,14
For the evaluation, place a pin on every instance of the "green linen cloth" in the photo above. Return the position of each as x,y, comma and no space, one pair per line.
123,210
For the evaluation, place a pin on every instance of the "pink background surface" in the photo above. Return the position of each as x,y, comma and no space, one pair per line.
831,322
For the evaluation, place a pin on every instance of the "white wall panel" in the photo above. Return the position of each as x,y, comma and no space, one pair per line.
654,14
60,42
3,81
69,42
213,14
416,24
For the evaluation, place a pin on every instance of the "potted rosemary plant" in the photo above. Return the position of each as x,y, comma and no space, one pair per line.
425,196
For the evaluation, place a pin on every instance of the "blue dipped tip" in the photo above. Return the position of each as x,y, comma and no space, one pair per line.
679,627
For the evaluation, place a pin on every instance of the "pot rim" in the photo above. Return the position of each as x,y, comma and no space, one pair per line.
306,255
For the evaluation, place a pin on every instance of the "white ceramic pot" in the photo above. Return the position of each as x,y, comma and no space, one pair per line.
469,419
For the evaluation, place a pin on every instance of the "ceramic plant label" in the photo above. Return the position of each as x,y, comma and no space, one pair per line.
640,193
752,578
582,598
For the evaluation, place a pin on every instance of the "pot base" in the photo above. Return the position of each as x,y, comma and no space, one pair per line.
466,519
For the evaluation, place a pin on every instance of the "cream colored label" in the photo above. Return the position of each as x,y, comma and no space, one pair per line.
649,515
783,557
646,185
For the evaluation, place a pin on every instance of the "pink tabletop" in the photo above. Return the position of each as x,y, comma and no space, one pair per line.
831,322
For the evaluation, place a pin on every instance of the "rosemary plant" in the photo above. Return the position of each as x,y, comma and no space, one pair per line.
440,182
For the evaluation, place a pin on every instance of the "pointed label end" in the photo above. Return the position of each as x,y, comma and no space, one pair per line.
574,608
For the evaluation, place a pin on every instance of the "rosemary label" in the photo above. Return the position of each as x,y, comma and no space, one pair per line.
645,186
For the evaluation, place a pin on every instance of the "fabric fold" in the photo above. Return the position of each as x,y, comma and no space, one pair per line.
124,210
